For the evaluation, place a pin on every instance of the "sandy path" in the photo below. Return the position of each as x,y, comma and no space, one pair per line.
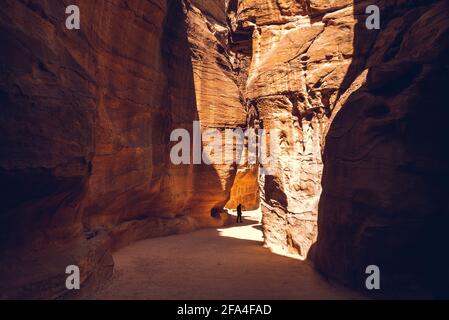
228,263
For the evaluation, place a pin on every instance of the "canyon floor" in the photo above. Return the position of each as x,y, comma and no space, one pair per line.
225,263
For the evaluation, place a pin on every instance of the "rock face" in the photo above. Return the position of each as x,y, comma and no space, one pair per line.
87,116
386,165
136,191
358,96
301,52
85,129
245,189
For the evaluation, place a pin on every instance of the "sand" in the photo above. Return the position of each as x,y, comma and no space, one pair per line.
226,263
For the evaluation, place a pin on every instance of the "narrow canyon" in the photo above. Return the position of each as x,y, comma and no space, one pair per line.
362,176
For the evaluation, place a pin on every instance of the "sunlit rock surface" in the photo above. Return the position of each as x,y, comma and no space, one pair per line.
245,189
301,53
386,165
332,86
86,120
85,129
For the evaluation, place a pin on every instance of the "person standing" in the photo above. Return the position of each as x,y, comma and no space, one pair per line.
239,214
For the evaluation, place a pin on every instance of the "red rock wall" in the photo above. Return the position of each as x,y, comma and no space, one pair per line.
48,96
301,52
85,128
245,190
360,97
386,159
87,115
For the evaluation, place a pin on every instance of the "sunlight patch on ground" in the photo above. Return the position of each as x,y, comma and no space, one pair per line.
250,229
245,232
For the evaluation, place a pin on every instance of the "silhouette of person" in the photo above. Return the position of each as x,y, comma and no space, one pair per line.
239,214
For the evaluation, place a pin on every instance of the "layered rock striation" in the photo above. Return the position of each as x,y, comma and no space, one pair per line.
301,52
386,165
87,116
335,87
86,121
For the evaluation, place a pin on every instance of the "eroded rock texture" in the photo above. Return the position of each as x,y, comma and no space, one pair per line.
85,132
86,120
386,158
316,71
244,191
301,52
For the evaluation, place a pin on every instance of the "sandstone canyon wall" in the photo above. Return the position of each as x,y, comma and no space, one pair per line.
360,97
301,52
386,165
87,115
85,132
